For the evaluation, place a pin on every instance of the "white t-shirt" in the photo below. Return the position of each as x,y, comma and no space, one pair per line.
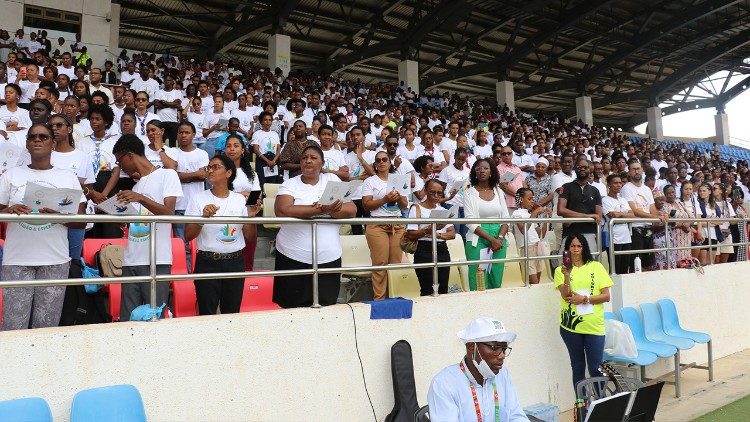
412,155
266,141
356,169
28,90
20,115
425,213
77,161
222,238
168,114
483,152
450,175
127,77
376,187
150,86
245,118
142,121
210,119
620,232
642,196
295,240
188,162
530,228
155,156
157,185
70,72
243,184
39,243
558,180
334,159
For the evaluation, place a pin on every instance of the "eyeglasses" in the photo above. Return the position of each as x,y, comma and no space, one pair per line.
141,99
215,167
381,160
505,154
498,349
119,159
39,136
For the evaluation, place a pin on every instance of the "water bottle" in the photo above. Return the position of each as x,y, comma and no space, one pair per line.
637,264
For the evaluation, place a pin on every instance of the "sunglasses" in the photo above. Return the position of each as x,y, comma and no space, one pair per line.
381,160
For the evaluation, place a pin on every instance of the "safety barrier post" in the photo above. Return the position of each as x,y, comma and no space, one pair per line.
152,268
525,254
435,283
316,298
611,254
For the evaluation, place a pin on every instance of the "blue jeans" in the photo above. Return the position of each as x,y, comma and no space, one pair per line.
75,242
583,349
209,147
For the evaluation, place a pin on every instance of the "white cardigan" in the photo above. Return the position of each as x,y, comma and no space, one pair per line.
471,199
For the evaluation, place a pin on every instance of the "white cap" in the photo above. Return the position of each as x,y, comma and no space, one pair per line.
543,161
484,329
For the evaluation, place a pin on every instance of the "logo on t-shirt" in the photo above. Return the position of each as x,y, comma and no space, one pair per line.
139,232
227,234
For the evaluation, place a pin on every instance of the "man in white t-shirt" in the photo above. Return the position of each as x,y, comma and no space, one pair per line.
156,193
95,81
145,83
641,201
67,68
658,162
167,104
615,206
129,75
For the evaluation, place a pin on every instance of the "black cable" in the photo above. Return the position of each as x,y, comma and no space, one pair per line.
361,367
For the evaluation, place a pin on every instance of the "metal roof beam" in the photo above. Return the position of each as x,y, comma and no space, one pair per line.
243,30
411,37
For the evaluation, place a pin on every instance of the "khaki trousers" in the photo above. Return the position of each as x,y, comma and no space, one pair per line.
383,241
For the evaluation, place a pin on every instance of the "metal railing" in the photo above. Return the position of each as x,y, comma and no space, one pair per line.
669,249
153,278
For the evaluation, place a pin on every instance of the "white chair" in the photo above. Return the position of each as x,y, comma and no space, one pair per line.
269,211
458,273
403,283
271,189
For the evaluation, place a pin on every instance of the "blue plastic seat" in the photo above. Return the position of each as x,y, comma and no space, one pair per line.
654,329
672,327
115,403
643,359
29,409
630,316
610,315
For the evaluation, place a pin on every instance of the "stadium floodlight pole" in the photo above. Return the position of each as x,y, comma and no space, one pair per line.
152,266
316,295
435,283
525,253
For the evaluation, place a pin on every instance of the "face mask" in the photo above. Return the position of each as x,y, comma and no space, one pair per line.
484,370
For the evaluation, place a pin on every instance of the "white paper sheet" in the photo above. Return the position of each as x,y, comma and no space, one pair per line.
9,156
457,186
271,172
507,177
114,207
400,182
584,309
62,200
486,254
334,191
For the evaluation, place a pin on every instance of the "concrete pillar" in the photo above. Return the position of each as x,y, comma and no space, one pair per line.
408,73
280,52
505,94
721,120
655,129
584,111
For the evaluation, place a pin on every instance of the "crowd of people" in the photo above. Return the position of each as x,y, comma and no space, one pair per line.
176,136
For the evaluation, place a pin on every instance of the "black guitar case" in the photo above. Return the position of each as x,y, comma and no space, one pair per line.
404,388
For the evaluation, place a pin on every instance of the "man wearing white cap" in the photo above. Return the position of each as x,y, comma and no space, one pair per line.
478,388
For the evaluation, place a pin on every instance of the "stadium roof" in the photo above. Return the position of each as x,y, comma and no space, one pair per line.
625,54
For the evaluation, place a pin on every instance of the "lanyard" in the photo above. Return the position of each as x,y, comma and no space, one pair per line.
142,122
474,396
97,154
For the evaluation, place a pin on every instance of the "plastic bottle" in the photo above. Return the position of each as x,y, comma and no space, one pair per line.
637,264
481,281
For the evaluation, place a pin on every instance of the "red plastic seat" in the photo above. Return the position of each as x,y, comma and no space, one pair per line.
258,295
183,291
90,248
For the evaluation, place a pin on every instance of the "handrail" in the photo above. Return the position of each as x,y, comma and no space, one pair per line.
153,278
668,249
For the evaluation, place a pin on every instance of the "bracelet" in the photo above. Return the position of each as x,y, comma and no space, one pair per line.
585,300
86,191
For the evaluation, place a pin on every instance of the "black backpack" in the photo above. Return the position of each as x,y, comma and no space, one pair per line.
80,307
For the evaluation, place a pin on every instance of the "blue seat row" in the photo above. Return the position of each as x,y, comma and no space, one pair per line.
115,403
660,335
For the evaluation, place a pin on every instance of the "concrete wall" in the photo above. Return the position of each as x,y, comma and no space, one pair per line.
301,364
101,37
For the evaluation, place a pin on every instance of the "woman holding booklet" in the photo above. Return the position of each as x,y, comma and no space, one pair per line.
299,197
484,199
383,239
37,251
430,207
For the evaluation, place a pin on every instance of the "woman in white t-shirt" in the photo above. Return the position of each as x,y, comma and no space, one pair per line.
220,246
195,117
245,183
410,150
422,233
533,231
157,151
383,239
36,251
298,197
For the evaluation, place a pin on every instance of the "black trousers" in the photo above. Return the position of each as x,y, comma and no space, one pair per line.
642,240
170,133
361,212
623,263
423,255
223,294
297,291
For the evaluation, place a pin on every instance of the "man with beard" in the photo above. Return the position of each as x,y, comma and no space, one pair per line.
579,199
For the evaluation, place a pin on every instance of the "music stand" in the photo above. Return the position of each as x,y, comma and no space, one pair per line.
645,403
609,409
